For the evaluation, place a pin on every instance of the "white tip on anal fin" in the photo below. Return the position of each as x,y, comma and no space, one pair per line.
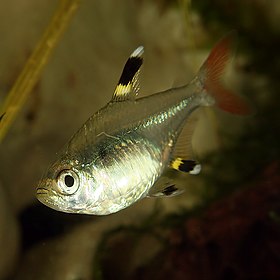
196,170
188,166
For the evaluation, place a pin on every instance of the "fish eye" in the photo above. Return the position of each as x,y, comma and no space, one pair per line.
68,181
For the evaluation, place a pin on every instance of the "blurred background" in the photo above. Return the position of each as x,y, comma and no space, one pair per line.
227,223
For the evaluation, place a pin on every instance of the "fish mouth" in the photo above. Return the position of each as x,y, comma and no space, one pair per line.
46,195
47,198
42,191
51,199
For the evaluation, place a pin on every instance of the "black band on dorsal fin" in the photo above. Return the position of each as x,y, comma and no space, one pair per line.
131,67
127,86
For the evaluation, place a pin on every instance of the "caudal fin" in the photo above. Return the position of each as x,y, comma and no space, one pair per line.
210,75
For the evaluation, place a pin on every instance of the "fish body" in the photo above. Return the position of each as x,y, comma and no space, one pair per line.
123,151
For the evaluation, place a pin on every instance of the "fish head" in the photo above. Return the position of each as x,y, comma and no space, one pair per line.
68,186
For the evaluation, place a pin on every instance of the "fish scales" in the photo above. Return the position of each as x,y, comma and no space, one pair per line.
129,168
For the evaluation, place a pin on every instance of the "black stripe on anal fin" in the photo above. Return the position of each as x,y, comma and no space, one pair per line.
127,86
189,166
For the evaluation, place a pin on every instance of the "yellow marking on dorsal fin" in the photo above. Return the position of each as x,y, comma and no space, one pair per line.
128,85
121,92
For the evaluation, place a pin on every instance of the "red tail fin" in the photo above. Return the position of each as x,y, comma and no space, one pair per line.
210,74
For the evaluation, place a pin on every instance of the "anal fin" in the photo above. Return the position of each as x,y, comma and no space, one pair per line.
169,183
184,165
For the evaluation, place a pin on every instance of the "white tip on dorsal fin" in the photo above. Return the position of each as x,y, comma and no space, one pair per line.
128,84
138,52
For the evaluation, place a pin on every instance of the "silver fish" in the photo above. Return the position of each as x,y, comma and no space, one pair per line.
126,150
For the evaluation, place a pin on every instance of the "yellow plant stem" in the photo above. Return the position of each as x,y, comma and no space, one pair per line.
35,64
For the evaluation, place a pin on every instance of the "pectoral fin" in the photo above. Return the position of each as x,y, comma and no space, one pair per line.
128,84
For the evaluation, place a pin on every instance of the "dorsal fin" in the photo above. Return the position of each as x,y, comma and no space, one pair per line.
128,85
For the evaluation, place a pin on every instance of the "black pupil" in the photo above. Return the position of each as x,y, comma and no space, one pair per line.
69,181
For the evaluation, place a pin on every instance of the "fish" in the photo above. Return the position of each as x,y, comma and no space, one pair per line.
130,148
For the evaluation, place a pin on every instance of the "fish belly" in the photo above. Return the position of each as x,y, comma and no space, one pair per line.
128,172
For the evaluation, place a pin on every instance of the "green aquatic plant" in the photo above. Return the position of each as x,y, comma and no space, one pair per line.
35,64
